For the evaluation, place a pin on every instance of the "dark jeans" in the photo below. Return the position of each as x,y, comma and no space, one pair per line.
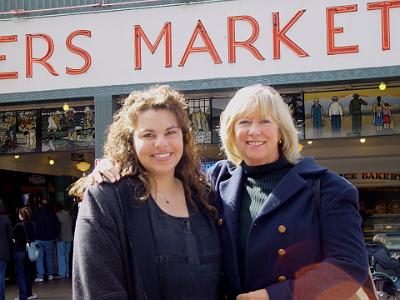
22,267
3,267
336,123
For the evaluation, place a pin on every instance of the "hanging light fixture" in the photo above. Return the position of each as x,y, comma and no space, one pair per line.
65,106
83,166
382,86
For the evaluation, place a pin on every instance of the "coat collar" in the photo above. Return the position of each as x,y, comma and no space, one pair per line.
290,184
231,190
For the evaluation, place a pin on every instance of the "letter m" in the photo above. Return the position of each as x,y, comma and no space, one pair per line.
140,35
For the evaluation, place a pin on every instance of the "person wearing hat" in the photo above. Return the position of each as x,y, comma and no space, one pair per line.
335,113
317,116
356,113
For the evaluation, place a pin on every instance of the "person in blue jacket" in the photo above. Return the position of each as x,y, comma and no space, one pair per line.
277,241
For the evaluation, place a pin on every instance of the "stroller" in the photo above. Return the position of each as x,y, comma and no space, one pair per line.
384,283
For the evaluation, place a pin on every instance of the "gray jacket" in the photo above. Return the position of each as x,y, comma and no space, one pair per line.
5,237
114,252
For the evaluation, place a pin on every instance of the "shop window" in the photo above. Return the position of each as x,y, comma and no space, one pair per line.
200,116
19,131
380,210
68,130
352,113
296,106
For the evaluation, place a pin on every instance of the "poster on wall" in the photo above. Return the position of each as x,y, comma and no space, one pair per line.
19,131
296,107
363,112
200,116
68,130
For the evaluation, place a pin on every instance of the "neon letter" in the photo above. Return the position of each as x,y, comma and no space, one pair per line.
43,60
139,35
209,47
332,30
232,43
280,35
74,49
385,19
7,39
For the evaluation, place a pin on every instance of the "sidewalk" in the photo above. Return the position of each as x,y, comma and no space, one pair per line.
57,289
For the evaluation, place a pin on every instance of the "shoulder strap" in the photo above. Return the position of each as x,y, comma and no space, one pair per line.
316,188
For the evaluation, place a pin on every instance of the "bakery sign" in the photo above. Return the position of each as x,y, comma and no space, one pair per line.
373,178
196,41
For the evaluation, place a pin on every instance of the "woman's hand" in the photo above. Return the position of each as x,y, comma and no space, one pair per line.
255,295
106,171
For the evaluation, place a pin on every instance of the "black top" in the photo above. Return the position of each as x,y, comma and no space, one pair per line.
19,236
187,254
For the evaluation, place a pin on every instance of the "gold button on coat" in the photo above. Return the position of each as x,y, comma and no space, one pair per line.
281,252
282,229
281,278
219,221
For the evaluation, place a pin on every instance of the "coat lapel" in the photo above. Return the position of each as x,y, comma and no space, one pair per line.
290,184
231,192
140,236
281,193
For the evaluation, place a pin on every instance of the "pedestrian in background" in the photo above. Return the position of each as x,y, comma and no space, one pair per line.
47,229
5,239
23,232
64,240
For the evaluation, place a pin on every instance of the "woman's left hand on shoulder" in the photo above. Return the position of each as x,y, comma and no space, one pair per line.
255,295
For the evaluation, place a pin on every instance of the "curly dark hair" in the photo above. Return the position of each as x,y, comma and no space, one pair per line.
118,146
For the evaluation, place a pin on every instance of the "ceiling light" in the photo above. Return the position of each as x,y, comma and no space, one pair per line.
362,140
382,86
51,161
16,156
65,107
309,142
83,166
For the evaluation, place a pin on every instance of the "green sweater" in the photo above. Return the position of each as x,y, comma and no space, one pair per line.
258,184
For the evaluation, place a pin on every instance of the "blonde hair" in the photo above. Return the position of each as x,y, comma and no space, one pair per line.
119,144
266,101
380,238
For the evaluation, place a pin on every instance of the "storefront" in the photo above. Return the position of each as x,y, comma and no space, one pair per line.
315,54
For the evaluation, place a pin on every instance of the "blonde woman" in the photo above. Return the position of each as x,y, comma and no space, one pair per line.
292,228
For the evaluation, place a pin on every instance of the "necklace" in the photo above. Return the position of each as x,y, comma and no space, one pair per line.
165,199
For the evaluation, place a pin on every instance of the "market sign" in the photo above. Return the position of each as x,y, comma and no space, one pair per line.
196,41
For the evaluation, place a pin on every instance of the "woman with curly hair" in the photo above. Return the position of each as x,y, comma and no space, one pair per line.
151,235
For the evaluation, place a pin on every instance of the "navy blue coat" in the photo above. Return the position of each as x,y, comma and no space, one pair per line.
293,250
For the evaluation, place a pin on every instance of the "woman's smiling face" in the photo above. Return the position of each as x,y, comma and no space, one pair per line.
158,142
257,139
